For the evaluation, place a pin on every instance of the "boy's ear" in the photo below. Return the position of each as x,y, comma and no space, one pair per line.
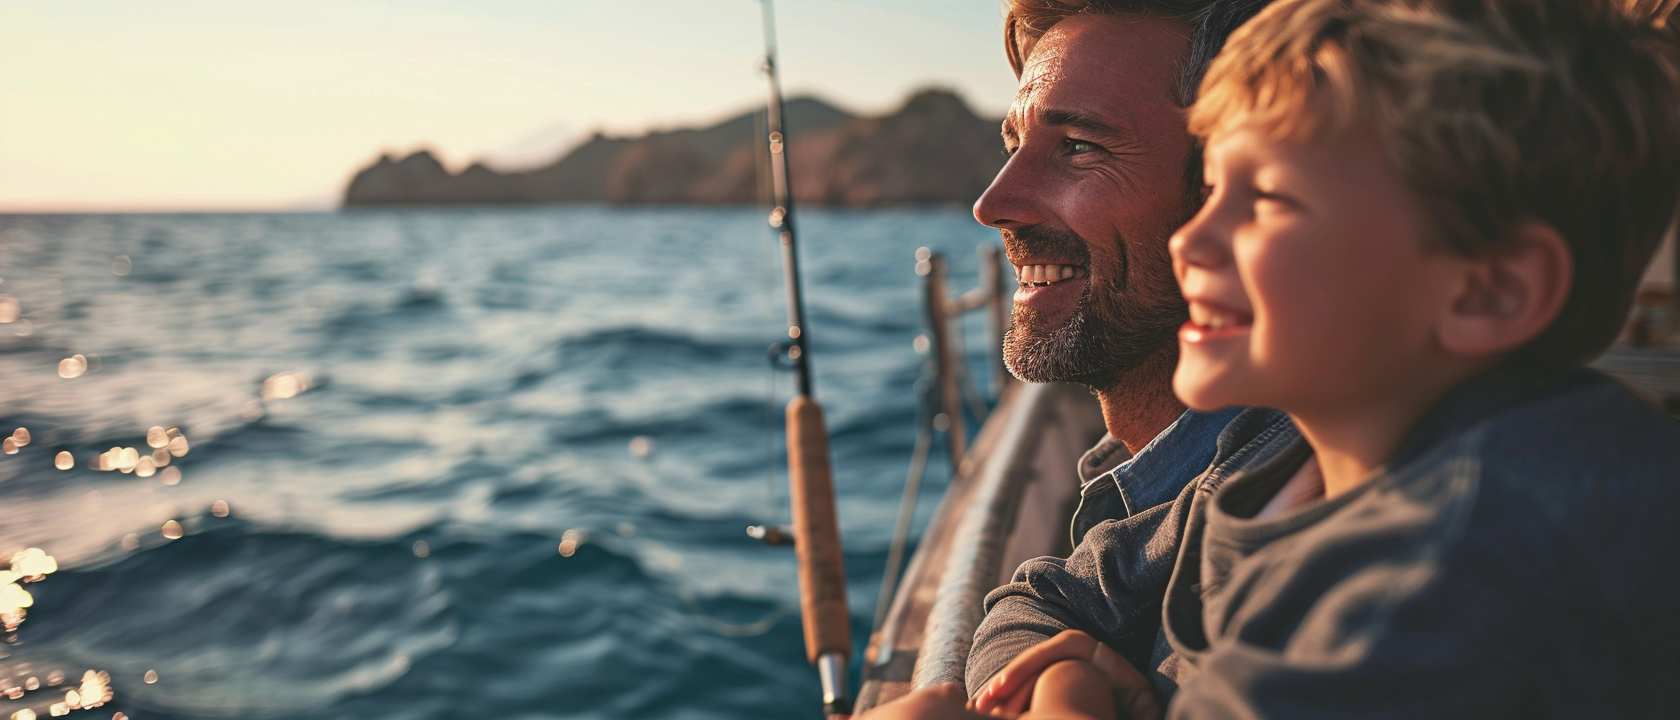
1509,296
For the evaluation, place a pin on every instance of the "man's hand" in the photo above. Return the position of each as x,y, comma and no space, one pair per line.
1010,692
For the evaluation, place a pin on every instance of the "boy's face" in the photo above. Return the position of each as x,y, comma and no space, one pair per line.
1309,285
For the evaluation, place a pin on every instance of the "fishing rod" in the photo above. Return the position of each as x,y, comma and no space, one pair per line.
816,525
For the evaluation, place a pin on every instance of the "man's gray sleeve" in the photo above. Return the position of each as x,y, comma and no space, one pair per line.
1111,587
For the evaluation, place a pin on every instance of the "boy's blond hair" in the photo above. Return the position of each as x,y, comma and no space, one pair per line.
1494,112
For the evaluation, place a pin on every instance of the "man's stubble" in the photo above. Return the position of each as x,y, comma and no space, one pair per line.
1121,322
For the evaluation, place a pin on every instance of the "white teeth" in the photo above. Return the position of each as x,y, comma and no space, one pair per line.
1040,275
1213,319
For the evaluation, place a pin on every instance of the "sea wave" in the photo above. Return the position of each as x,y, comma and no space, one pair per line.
509,474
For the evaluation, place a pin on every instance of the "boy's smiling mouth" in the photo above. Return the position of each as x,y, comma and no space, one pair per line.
1209,321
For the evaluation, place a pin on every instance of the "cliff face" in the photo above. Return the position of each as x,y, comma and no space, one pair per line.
932,150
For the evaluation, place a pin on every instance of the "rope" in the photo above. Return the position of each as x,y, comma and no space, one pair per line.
729,629
907,505
770,435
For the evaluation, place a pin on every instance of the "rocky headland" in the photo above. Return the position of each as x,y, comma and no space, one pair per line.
932,150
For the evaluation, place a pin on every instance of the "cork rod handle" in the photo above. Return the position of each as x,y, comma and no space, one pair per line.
822,572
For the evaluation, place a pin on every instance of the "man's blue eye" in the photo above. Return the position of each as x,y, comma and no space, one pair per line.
1077,147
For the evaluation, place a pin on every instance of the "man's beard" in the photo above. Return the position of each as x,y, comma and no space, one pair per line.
1115,326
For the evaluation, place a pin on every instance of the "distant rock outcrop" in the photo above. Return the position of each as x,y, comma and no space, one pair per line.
933,150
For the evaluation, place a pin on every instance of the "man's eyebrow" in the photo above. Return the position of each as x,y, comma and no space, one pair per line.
1081,120
1062,117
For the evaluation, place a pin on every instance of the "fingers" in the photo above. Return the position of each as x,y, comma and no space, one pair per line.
1017,688
1023,671
1006,706
1015,704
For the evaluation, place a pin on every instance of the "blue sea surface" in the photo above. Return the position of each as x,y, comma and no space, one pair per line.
485,388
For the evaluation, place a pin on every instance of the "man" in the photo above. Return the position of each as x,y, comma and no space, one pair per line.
1101,172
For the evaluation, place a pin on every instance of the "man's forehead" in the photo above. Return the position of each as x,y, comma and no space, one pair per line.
1099,61
1050,52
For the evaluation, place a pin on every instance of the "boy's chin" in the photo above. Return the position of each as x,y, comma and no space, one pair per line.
1200,391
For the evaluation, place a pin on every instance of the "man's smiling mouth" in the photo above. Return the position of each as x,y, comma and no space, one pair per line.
1044,275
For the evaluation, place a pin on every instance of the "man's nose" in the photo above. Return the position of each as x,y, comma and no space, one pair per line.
1012,200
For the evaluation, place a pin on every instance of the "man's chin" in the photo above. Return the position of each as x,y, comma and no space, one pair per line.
1038,375
1050,359
1077,352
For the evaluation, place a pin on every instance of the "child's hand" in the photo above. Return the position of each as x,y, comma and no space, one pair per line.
1010,691
1071,690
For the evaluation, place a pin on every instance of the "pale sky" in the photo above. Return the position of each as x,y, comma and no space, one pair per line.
111,105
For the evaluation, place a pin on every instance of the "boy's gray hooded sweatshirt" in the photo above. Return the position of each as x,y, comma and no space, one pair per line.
1517,558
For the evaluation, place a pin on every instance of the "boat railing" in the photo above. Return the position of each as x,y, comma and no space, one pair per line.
944,315
1009,498
948,382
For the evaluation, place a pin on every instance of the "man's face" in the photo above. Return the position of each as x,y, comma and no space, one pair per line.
1094,186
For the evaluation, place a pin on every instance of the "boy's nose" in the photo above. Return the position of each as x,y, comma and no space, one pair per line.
1199,243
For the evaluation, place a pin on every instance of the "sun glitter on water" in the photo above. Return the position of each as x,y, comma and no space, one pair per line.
27,566
570,541
167,445
286,385
16,441
72,367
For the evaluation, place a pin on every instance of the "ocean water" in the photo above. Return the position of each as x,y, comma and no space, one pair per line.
454,398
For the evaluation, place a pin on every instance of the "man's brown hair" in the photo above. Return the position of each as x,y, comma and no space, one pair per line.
1494,113
1209,22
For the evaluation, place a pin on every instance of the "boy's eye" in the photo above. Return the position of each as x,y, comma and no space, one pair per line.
1274,202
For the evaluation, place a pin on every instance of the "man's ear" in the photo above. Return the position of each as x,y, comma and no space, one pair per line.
1511,295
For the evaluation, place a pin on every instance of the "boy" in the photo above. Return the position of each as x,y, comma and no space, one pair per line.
1424,218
